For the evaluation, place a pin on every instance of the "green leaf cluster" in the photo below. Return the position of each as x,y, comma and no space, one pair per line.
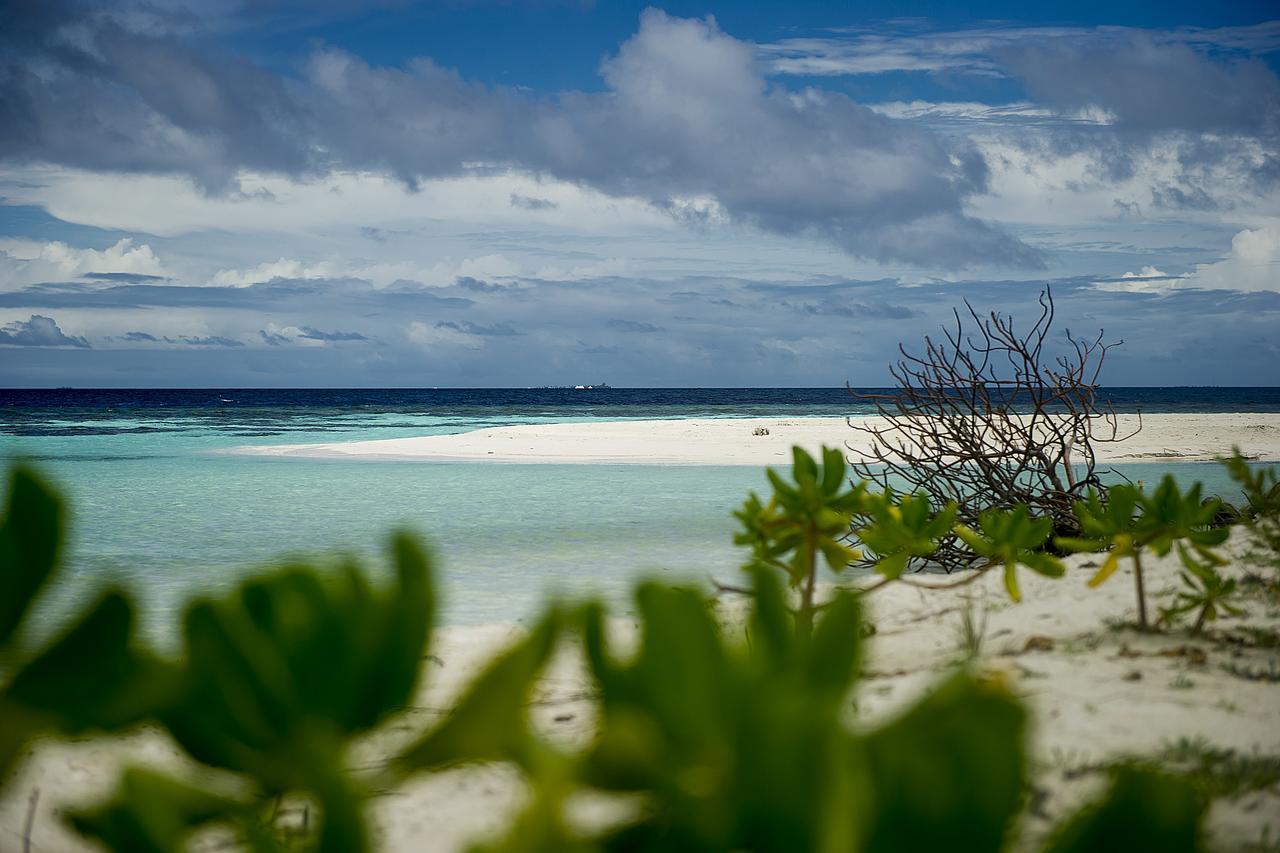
901,528
1129,520
1010,538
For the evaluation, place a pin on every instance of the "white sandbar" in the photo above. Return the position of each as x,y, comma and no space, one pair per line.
730,441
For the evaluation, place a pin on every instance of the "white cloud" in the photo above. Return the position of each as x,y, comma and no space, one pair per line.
170,206
1252,265
24,262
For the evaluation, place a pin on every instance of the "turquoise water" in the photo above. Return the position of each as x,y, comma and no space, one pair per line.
159,506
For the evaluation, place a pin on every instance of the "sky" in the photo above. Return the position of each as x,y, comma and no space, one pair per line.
506,194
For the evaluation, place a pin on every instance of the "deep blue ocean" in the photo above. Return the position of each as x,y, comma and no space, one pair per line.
157,507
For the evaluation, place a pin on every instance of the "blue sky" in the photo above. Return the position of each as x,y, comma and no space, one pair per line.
526,193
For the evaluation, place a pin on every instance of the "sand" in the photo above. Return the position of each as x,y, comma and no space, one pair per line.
730,441
1097,690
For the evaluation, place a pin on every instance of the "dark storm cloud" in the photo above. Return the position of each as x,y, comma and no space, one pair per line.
39,331
688,121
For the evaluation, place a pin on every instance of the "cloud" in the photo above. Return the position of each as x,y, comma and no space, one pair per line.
688,122
500,330
441,335
525,202
317,335
29,261
1253,264
128,277
39,331
208,341
633,326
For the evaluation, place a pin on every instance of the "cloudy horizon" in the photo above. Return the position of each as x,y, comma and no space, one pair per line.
522,194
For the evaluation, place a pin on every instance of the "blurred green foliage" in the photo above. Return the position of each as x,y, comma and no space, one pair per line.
1261,511
704,741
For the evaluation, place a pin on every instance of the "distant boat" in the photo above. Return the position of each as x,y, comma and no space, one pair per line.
604,385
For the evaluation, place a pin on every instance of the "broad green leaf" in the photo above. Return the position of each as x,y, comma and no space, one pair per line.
30,542
835,651
489,721
1143,810
151,813
771,632
92,677
949,773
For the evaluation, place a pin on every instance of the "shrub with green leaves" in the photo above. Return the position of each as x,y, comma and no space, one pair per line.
804,521
1261,512
1012,538
1129,520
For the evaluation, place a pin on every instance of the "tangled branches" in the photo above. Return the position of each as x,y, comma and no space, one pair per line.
988,418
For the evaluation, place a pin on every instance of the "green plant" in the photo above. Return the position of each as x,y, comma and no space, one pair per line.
1261,513
705,743
803,521
94,676
902,529
1129,520
1012,538
1206,592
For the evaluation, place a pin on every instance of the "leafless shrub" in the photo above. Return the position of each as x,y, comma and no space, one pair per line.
988,417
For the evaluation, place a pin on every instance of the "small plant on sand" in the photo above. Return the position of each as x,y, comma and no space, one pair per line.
1261,512
804,524
1129,521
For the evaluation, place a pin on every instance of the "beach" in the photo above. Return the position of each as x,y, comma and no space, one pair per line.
734,441
1098,691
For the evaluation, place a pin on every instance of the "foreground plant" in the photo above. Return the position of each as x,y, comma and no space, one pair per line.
707,744
804,521
1261,511
700,742
94,677
1129,521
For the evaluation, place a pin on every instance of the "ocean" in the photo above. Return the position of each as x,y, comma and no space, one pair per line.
158,508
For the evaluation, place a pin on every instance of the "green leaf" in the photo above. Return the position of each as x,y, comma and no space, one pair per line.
151,813
835,651
92,677
772,634
489,722
1143,810
949,773
30,543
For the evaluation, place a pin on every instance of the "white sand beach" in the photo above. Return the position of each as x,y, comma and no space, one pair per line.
1098,690
731,441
